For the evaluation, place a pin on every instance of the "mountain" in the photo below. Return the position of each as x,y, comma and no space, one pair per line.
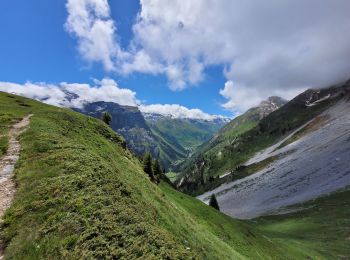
213,149
309,162
81,194
244,122
295,154
186,133
170,140
128,122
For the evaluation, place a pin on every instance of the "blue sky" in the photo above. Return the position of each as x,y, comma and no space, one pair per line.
35,47
221,57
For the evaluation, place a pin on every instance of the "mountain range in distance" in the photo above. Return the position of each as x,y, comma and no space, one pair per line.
279,173
167,138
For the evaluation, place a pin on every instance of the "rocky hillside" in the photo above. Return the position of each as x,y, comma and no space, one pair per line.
214,149
309,162
212,169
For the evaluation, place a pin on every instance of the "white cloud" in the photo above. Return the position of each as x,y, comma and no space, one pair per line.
141,62
177,111
264,45
89,21
240,99
77,94
73,94
39,91
267,45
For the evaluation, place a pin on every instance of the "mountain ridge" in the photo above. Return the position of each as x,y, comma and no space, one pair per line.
309,162
239,125
168,139
203,172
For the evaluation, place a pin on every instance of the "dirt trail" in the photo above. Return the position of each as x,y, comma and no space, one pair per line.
7,165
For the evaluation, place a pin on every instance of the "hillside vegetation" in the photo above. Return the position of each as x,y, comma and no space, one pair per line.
82,194
168,139
319,228
188,133
202,170
182,135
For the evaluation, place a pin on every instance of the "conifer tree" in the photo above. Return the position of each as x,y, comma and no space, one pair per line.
147,166
213,202
106,117
157,171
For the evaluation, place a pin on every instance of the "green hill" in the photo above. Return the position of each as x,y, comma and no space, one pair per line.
81,194
186,132
181,136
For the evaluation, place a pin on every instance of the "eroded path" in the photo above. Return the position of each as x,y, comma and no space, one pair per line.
7,164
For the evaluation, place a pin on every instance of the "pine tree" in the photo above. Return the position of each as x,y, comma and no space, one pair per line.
106,117
157,171
213,202
147,166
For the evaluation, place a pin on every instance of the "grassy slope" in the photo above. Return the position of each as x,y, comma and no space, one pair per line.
321,230
177,138
214,147
171,176
80,194
184,132
231,236
169,152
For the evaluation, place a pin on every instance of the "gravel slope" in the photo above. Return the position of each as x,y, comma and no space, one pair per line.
312,166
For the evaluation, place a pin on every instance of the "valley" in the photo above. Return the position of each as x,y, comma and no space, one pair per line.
175,130
81,194
83,190
171,140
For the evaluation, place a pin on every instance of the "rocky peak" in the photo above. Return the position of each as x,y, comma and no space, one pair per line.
269,105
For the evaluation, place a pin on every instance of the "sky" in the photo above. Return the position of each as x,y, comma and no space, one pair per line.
194,58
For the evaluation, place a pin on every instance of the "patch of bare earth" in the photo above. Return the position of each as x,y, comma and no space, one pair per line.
7,166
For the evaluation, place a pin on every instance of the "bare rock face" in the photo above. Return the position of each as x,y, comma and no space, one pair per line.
128,122
314,96
271,104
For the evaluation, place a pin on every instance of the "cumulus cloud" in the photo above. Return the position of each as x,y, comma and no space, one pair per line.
263,45
77,94
177,111
240,99
73,94
89,21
